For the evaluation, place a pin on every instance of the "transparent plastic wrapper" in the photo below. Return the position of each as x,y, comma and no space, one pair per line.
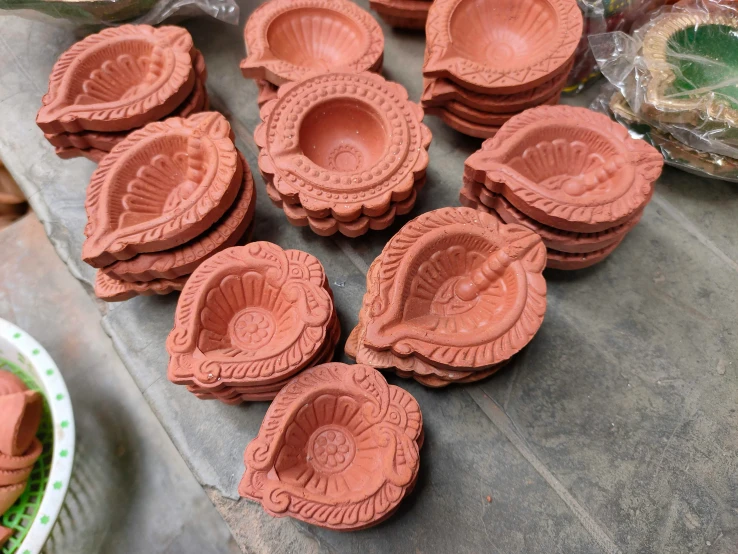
610,101
603,16
116,12
678,73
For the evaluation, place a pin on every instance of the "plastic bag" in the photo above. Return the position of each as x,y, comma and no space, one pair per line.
115,12
678,73
602,16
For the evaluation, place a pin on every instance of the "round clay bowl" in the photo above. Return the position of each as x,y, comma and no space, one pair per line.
492,46
162,186
253,314
569,168
459,290
118,79
287,40
322,454
325,144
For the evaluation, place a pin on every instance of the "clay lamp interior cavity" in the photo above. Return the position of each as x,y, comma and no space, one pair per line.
166,198
287,41
343,152
119,80
402,14
487,60
20,415
571,175
453,296
248,320
338,448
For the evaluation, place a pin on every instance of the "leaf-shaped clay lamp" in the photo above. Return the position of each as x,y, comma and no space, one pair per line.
338,448
500,46
162,186
250,315
118,79
567,167
289,39
458,289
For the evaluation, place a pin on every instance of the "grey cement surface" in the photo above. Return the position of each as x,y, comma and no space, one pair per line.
614,431
131,492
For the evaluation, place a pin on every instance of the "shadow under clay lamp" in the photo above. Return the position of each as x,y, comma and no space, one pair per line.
454,295
339,147
572,174
248,320
338,448
288,40
516,52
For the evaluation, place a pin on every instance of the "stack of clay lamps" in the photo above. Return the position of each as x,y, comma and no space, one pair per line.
488,60
164,200
249,319
338,448
20,416
343,152
119,80
403,14
571,175
452,297
287,40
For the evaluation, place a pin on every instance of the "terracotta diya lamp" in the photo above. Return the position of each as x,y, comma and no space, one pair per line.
454,292
338,448
118,79
343,146
403,14
287,40
249,317
162,186
571,175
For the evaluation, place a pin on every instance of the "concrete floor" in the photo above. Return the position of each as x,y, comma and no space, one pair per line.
131,491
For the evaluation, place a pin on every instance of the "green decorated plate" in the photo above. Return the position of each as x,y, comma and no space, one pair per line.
32,517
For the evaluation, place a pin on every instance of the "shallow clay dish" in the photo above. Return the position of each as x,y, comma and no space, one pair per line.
462,125
114,290
170,264
555,239
458,289
161,187
289,39
326,144
252,314
569,168
500,46
338,448
438,92
118,79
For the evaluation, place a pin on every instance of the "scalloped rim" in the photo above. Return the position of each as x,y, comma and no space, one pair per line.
39,364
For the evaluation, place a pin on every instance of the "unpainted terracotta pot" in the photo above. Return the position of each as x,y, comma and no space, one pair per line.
189,179
325,145
20,415
568,168
250,315
14,476
287,40
118,79
182,260
27,459
9,494
338,448
456,289
500,46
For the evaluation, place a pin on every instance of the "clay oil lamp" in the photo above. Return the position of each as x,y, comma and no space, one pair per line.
288,40
250,318
486,60
571,175
689,76
338,448
343,151
403,14
118,80
453,297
